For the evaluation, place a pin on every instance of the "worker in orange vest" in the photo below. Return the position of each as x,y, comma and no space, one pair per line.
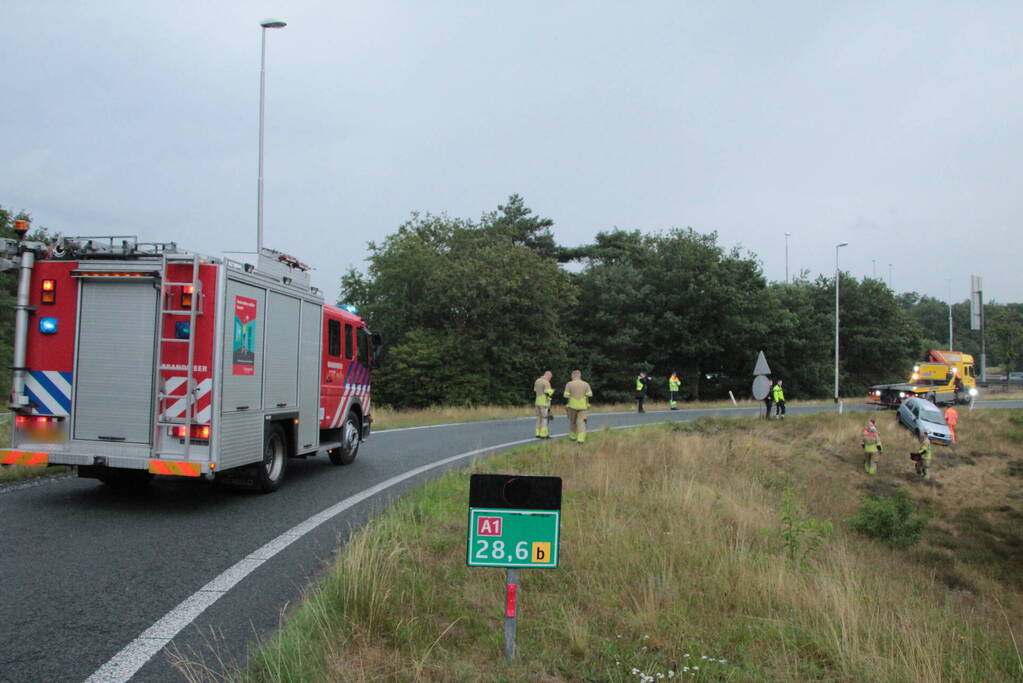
951,418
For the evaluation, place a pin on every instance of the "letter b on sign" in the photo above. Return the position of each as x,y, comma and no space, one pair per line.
541,553
488,526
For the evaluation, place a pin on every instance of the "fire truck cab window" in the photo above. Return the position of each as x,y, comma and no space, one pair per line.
364,347
334,338
348,342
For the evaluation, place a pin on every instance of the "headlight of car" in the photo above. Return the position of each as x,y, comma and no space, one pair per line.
902,394
973,392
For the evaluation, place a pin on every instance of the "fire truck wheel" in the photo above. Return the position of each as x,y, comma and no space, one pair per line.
349,448
270,472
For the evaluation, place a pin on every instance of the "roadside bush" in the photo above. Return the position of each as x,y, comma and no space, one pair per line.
800,533
891,519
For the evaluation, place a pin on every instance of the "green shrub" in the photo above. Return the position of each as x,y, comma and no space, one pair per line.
800,534
892,519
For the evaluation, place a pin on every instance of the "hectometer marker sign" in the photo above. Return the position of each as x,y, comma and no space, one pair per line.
514,521
513,538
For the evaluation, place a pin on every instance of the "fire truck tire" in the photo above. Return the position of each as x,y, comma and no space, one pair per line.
270,472
349,448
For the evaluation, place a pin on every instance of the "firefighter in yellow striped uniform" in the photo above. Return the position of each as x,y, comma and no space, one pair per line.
871,447
674,384
544,392
578,394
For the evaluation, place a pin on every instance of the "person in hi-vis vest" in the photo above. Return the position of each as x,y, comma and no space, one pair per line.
544,392
578,394
674,384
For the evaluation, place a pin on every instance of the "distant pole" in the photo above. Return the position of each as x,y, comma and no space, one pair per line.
837,279
873,263
269,23
890,277
950,347
787,235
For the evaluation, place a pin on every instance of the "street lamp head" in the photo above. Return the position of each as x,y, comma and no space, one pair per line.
841,244
273,23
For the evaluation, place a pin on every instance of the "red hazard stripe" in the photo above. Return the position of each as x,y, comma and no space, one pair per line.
179,469
24,458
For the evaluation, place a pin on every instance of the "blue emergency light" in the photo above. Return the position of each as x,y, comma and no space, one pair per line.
183,329
351,309
48,325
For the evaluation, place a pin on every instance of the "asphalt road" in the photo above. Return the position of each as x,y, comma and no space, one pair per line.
85,571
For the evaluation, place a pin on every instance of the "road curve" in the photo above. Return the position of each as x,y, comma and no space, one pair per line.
85,571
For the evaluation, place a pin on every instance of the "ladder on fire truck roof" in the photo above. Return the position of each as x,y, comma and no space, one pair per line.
169,401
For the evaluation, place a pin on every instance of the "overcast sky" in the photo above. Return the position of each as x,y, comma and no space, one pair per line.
893,126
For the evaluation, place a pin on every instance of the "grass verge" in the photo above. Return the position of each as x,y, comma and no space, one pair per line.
674,562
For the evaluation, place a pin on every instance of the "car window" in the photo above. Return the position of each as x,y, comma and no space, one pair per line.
928,414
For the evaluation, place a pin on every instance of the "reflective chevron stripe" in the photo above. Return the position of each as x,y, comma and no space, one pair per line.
50,391
8,457
180,469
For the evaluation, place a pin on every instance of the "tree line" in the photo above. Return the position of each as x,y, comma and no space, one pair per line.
473,311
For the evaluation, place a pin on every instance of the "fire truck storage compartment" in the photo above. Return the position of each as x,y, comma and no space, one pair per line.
271,367
309,377
241,437
280,390
114,368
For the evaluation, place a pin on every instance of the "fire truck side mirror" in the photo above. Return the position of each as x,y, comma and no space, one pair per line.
378,349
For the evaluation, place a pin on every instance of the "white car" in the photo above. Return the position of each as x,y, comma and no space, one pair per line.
920,416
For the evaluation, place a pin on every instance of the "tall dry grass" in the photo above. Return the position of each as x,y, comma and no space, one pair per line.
671,561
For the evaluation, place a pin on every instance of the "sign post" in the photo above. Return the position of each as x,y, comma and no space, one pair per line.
761,383
514,522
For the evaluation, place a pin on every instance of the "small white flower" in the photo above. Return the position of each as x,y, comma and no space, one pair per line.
635,671
696,668
685,668
660,675
686,654
645,637
703,656
671,674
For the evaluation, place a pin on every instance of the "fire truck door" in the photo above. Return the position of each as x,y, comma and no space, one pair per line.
114,369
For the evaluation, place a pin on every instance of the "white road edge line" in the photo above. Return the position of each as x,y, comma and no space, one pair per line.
126,663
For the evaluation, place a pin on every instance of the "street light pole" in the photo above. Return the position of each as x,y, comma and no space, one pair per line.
873,264
950,347
837,279
890,276
269,23
787,235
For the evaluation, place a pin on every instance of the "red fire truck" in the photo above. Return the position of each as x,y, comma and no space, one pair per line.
138,359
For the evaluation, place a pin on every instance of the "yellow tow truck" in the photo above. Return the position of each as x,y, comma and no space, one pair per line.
942,377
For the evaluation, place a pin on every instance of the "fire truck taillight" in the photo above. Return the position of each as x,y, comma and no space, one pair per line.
187,292
49,293
199,432
37,422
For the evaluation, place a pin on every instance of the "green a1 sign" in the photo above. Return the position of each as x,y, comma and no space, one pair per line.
513,538
514,521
